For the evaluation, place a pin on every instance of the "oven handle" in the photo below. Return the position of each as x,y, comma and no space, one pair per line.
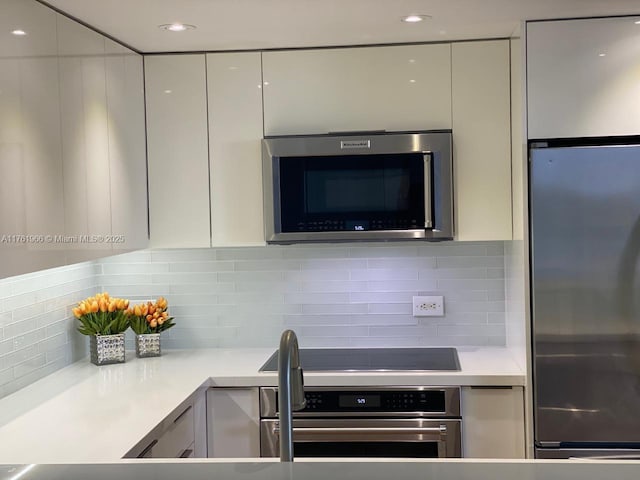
440,431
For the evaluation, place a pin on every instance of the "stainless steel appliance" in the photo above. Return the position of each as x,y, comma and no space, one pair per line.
408,422
364,186
371,359
585,243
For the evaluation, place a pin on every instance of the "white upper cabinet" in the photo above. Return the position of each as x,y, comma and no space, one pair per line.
85,134
176,91
481,106
71,124
127,147
582,78
235,132
31,195
354,89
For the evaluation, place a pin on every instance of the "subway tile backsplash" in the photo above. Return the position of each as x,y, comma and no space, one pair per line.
352,295
331,295
37,328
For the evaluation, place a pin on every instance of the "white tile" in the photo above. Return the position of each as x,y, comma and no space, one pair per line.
327,309
316,298
470,262
267,287
269,309
252,276
17,301
457,307
408,331
495,273
444,273
462,318
389,320
395,285
334,331
134,268
377,251
375,342
216,266
324,342
384,274
413,263
175,278
454,249
20,328
6,376
381,297
397,308
333,264
463,284
140,256
315,252
496,295
199,288
255,299
249,253
183,255
266,265
309,320
496,248
52,342
329,286
315,275
132,279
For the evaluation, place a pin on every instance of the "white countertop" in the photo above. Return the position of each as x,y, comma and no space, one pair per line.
89,414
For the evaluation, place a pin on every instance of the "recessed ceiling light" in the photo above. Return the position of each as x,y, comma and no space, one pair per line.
602,54
637,22
177,27
415,18
18,32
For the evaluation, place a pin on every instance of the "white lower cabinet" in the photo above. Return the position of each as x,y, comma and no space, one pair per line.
182,434
493,422
233,422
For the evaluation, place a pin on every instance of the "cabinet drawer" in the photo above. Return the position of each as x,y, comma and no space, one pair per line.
178,438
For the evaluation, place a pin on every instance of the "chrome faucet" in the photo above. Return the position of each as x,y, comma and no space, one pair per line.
290,391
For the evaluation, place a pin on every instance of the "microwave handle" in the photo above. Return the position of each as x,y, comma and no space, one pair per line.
428,220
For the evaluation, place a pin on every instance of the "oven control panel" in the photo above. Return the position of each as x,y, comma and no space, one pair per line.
432,401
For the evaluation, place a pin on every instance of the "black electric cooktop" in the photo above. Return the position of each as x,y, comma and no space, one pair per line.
372,359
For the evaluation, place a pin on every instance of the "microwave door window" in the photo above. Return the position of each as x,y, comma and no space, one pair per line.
355,192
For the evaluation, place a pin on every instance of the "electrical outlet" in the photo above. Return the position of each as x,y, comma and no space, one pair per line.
428,306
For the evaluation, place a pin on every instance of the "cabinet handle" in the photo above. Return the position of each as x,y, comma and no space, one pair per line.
182,414
146,450
187,453
428,217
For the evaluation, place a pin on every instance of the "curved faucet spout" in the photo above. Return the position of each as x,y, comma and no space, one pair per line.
290,390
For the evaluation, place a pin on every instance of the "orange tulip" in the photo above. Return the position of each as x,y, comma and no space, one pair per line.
112,306
137,311
153,324
94,306
77,312
103,305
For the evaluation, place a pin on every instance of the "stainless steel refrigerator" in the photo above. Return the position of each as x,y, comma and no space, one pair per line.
585,247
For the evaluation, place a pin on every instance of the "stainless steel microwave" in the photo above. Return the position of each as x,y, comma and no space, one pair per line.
358,187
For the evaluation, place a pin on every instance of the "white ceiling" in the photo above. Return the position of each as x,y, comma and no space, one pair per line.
263,24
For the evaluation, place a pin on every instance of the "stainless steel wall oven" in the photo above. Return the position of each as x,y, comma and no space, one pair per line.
400,422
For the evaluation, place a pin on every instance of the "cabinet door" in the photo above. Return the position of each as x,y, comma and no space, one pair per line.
493,422
481,140
373,88
85,136
178,151
31,195
233,422
582,78
235,131
127,149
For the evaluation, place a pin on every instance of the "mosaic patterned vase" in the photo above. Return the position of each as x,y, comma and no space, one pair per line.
148,345
106,349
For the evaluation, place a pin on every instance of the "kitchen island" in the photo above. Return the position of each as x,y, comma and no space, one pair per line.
90,414
371,470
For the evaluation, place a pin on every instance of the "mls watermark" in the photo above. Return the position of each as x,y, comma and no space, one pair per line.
48,239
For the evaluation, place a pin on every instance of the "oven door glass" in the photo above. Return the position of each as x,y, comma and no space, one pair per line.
352,192
406,438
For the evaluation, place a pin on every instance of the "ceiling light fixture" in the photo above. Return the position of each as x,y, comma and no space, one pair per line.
19,32
415,18
637,22
177,27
